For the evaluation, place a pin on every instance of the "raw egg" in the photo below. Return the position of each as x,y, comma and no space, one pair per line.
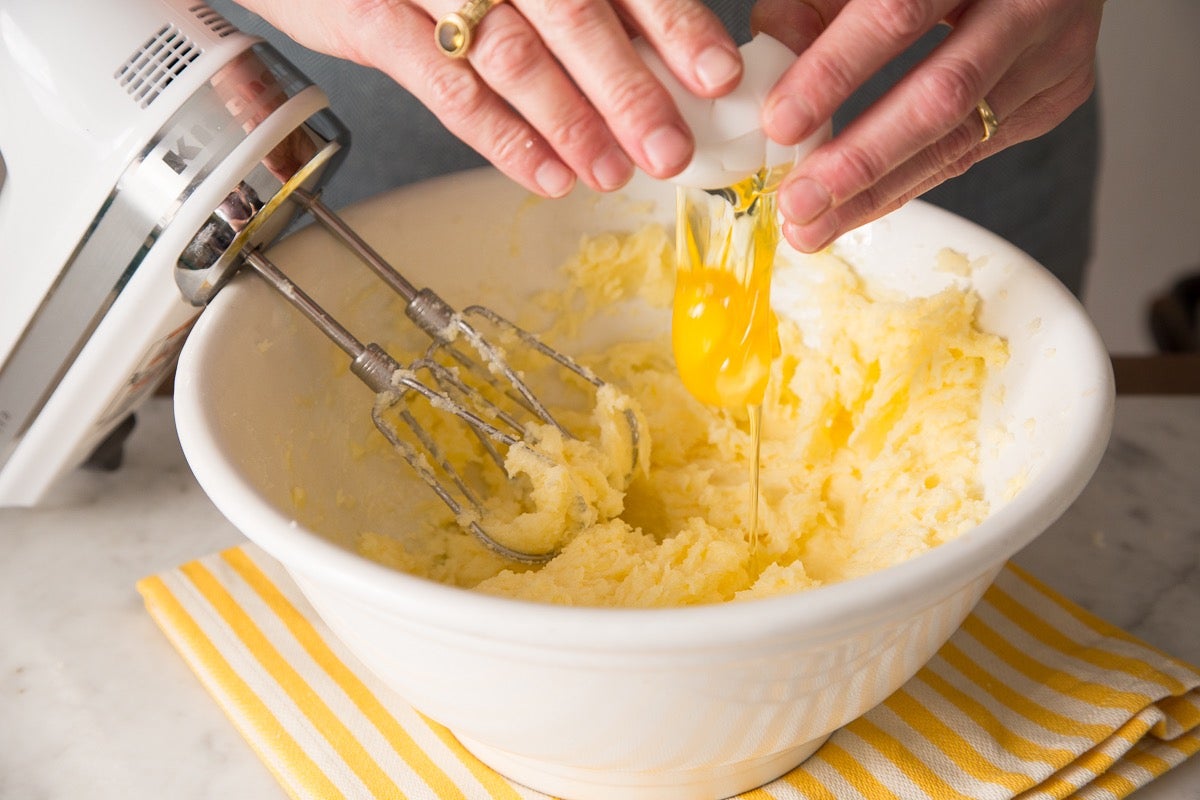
723,330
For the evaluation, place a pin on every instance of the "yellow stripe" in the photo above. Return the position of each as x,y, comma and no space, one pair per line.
952,744
1112,782
803,780
300,776
1013,742
1184,711
1051,636
1092,621
1040,714
861,779
1112,785
1148,760
1180,749
1096,694
904,759
1146,754
362,697
1058,787
306,699
1096,761
1136,728
496,784
1188,744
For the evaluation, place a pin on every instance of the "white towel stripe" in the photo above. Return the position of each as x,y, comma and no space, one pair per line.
930,753
290,716
1007,716
1068,624
979,738
416,726
882,767
1077,667
1063,704
1053,612
323,686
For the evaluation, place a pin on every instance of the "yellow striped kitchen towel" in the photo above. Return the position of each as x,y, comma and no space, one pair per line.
1032,697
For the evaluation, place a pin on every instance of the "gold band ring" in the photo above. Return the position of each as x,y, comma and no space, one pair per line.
454,31
988,118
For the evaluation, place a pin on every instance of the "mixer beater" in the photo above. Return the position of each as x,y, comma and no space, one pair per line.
149,152
463,373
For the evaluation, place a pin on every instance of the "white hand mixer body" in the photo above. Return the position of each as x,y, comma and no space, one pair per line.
127,128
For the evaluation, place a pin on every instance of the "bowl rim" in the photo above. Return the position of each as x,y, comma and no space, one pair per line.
829,611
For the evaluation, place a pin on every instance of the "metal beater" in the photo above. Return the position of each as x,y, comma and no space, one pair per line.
148,152
454,375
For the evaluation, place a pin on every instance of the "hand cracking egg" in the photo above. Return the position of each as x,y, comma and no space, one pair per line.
730,142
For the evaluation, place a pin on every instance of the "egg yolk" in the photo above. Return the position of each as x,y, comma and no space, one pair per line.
723,330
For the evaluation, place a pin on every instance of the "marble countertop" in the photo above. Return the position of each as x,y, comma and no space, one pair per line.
95,703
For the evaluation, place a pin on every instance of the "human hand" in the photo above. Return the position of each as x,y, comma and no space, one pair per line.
1033,61
550,90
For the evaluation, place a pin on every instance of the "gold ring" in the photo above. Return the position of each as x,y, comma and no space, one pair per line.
454,31
988,118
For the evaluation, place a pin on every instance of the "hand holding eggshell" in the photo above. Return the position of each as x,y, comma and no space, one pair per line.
730,141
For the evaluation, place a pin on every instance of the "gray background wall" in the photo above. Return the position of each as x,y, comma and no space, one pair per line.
1148,212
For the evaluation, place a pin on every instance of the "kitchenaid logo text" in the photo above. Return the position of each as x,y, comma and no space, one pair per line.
178,158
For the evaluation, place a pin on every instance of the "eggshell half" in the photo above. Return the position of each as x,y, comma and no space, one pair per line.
730,142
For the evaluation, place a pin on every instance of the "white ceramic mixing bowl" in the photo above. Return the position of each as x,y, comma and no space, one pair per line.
698,702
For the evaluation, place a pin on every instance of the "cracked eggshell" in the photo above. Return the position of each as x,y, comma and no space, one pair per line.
730,142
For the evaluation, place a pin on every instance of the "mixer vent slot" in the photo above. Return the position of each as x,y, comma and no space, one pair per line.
213,20
162,59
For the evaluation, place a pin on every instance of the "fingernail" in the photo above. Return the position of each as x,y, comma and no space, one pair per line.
788,120
813,237
613,169
803,200
554,179
716,67
668,150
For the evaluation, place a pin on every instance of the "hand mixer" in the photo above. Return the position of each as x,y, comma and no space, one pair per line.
148,152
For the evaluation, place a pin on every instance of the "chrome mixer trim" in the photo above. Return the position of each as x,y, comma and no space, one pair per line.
253,212
143,203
